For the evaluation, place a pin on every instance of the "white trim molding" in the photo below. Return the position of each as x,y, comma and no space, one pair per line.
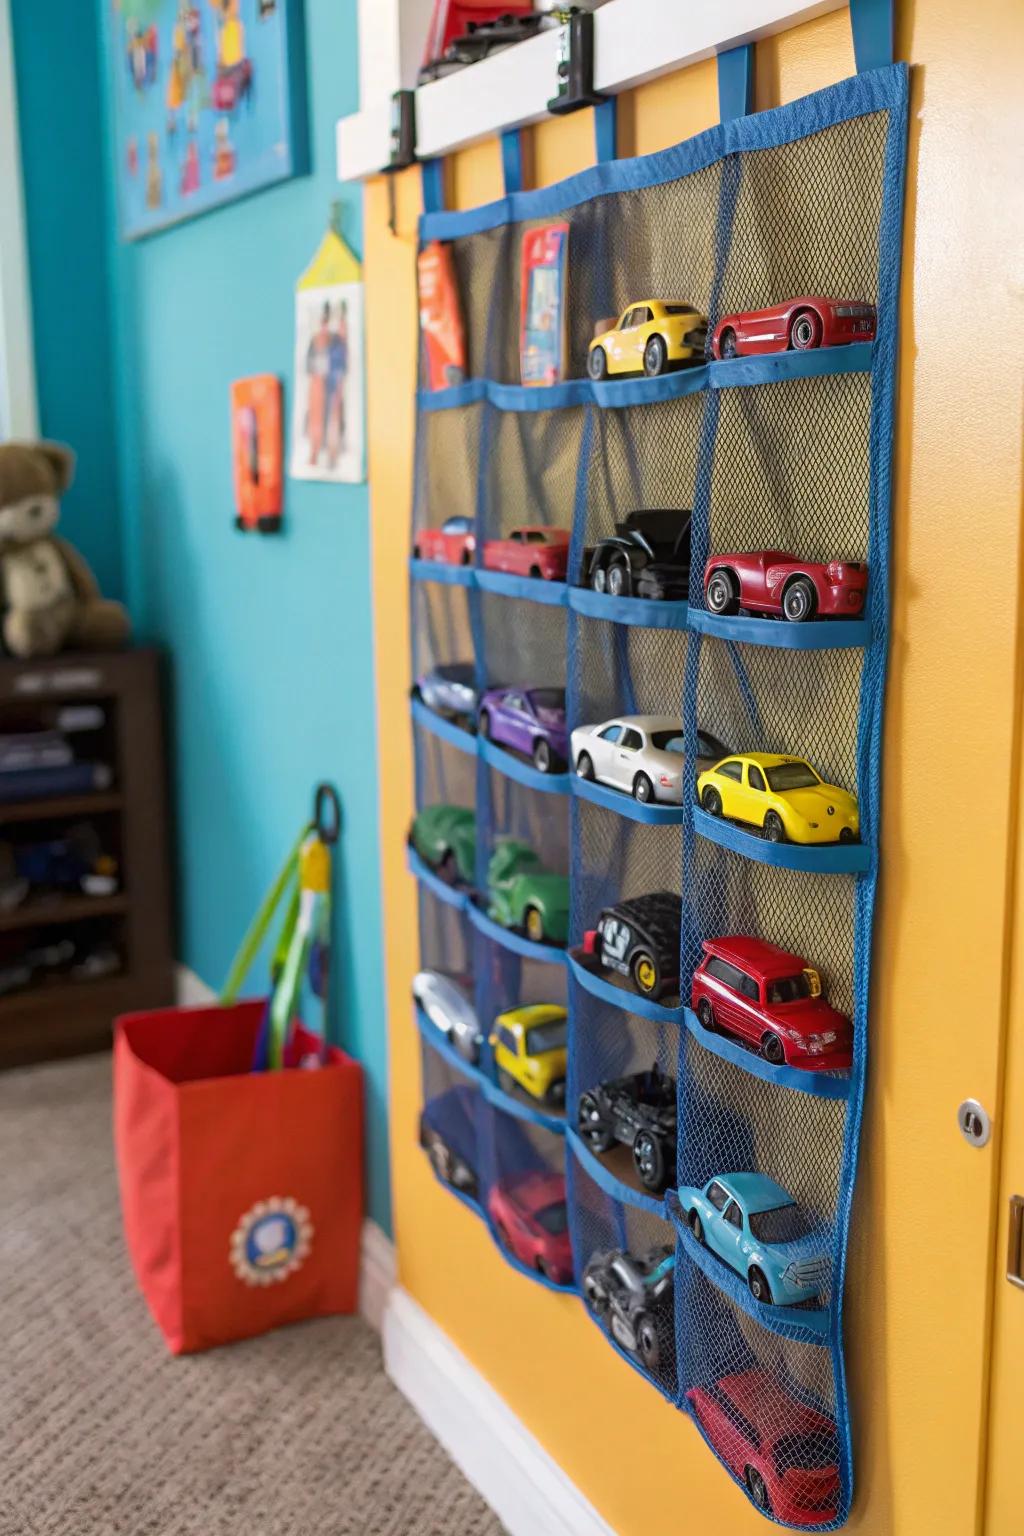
19,408
525,1487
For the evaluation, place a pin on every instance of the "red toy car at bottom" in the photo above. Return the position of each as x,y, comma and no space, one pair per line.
533,1223
772,581
772,1000
785,1453
539,551
801,324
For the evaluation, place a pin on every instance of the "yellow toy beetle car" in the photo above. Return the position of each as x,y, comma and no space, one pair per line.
651,337
781,795
530,1050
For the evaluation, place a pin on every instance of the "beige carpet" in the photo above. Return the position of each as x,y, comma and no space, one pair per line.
103,1434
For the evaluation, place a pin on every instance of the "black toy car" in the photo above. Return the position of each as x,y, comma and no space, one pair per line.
632,1297
648,555
639,939
479,41
448,1136
640,1112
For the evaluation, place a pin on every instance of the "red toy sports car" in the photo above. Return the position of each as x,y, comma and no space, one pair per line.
799,324
537,551
772,1000
533,1223
773,581
785,1453
451,544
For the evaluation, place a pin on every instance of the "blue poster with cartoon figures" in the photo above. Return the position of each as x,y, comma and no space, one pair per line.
206,101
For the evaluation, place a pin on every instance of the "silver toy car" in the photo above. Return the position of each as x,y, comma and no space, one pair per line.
450,689
448,1006
641,755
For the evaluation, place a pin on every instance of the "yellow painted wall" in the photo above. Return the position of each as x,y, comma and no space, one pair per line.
922,1261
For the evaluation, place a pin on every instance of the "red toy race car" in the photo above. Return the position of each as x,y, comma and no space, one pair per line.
772,581
799,324
452,544
538,551
773,1001
784,1452
532,1222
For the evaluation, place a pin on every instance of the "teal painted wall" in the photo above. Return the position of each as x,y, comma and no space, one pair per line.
61,124
269,639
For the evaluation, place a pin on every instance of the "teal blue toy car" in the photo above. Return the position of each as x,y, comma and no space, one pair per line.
524,895
758,1229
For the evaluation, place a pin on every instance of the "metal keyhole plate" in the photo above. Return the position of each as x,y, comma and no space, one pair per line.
975,1125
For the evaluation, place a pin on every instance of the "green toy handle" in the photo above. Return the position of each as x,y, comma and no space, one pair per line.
257,931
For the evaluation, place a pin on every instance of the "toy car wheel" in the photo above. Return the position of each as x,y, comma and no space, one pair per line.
646,974
847,835
721,594
696,1227
448,868
599,579
417,552
484,725
534,925
619,581
595,1296
647,1343
536,572
584,766
772,1050
759,1287
542,755
440,1158
706,1014
799,600
543,1268
727,344
556,1093
711,801
805,332
774,831
649,1160
597,363
756,1488
506,1082
643,789
655,357
591,1124
465,557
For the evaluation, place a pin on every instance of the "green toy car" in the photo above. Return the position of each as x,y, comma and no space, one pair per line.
444,836
525,895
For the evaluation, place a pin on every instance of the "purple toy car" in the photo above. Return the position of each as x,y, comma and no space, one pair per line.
529,720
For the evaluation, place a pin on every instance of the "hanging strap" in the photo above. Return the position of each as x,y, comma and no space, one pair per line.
432,176
606,129
512,160
874,30
736,82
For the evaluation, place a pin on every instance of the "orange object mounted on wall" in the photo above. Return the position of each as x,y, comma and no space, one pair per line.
258,451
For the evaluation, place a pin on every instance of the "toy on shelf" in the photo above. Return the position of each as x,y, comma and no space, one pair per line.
632,1297
447,1004
74,862
524,895
639,1112
529,720
448,1136
785,1452
649,337
648,555
258,452
799,324
441,326
638,939
449,689
642,755
51,601
530,1046
781,795
451,544
775,583
444,836
758,1229
462,31
772,1000
539,551
532,1222
543,279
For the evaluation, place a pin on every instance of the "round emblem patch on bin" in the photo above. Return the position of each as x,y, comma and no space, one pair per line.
271,1241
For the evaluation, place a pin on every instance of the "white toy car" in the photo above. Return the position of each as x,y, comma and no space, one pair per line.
449,1008
641,755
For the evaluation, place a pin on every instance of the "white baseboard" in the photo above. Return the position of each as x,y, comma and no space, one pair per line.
527,1490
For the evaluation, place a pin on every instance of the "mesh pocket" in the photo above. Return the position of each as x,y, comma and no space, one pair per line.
533,463
618,669
484,265
446,938
448,1123
447,461
506,981
616,859
766,1404
523,857
445,775
524,1193
619,1250
523,644
442,644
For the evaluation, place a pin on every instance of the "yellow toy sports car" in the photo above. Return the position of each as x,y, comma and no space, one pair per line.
530,1050
649,338
781,795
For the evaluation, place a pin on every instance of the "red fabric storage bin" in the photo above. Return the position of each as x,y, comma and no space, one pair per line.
241,1191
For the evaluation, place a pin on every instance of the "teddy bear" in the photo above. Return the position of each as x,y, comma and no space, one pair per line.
49,598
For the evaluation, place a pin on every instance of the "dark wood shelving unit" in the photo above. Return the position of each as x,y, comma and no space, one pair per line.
66,1016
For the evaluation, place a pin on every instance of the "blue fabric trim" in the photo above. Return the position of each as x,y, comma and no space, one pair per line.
437,570
619,997
640,612
818,635
512,160
546,397
533,588
621,804
625,1194
432,178
814,1327
512,767
454,398
773,367
451,895
605,130
819,1085
874,32
548,954
736,82
437,725
827,859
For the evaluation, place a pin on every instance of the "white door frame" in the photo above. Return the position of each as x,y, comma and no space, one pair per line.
19,410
